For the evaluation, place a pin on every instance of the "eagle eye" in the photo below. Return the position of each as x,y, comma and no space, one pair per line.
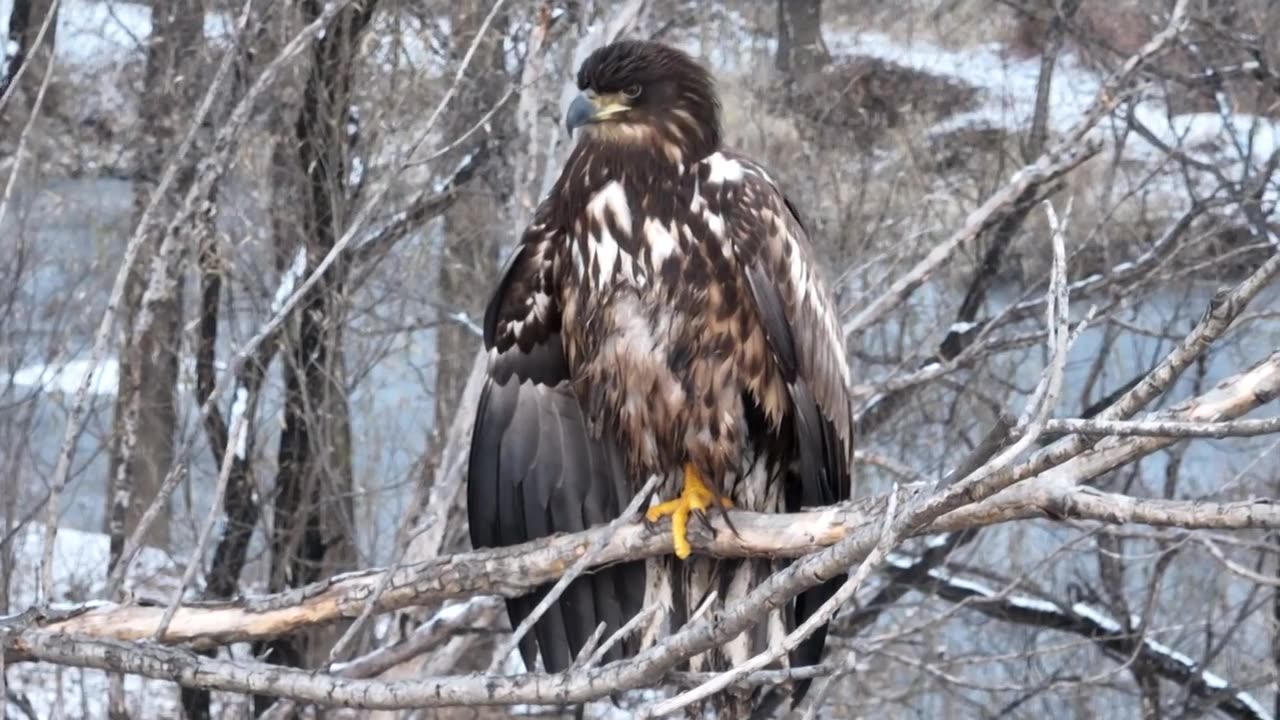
632,92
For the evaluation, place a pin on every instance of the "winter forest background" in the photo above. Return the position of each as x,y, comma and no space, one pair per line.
246,244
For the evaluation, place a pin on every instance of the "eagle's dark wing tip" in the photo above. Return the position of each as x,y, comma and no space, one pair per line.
534,470
798,318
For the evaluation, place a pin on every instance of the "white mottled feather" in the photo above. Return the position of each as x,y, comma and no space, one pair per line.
611,200
579,265
715,223
662,243
723,169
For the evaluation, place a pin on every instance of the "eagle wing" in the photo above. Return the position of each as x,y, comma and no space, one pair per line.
534,470
797,313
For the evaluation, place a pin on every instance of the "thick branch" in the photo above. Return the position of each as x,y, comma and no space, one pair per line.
98,635
518,569
1167,428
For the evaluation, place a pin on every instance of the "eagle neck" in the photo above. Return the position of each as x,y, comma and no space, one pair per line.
593,165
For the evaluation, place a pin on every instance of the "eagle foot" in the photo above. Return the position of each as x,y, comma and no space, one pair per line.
696,497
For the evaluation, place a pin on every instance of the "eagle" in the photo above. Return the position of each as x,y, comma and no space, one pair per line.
662,314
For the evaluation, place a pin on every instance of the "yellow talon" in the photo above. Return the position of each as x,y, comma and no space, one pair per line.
695,496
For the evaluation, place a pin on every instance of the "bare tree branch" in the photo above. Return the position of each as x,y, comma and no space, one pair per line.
985,595
1064,155
851,529
1167,428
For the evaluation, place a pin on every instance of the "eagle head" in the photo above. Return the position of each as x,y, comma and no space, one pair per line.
638,91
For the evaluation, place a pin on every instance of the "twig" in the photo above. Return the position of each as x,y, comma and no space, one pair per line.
303,289
514,571
425,638
1063,156
511,571
636,621
518,569
1032,424
11,81
239,426
223,144
982,595
760,677
75,419
36,105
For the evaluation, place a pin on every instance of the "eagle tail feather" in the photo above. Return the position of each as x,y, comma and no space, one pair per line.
821,479
704,586
809,652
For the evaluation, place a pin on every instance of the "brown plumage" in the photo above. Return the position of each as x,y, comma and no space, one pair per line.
662,314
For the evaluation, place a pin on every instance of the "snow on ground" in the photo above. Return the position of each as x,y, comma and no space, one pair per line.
1227,140
80,567
64,378
1233,142
1008,88
1008,84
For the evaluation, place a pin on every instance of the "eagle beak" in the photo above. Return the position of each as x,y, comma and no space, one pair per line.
590,108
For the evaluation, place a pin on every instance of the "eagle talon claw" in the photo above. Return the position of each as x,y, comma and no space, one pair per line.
695,498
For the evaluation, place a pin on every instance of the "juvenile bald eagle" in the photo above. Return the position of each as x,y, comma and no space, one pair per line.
662,314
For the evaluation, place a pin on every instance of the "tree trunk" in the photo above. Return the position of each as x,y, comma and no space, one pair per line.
313,528
476,228
241,504
26,19
145,415
800,47
142,450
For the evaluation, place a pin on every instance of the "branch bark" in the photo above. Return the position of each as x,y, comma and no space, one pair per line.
111,636
513,571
